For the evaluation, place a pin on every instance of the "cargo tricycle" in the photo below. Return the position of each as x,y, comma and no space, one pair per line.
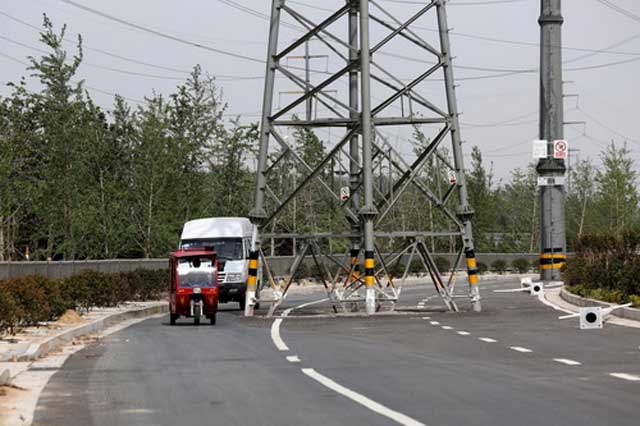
193,285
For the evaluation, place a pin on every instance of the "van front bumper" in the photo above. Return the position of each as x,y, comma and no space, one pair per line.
231,291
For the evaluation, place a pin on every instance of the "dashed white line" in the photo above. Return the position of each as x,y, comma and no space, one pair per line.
293,358
275,336
487,339
447,327
567,361
435,323
428,318
463,333
361,399
625,376
520,349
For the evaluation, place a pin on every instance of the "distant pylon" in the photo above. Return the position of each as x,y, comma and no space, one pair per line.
367,72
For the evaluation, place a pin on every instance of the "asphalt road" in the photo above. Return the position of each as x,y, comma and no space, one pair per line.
513,364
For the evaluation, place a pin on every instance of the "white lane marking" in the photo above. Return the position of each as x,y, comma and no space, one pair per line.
447,327
567,361
625,376
520,349
487,339
435,323
293,358
428,318
286,312
361,399
275,336
463,333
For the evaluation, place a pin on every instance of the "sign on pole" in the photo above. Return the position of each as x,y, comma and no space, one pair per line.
453,178
560,149
539,149
345,193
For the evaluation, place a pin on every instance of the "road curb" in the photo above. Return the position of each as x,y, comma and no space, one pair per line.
574,299
35,351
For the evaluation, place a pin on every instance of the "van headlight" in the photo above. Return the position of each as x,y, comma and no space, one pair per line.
234,277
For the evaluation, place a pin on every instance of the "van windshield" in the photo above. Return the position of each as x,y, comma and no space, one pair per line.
226,248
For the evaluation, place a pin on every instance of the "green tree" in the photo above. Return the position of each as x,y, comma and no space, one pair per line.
617,196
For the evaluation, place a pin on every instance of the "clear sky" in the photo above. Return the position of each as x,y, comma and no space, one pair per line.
499,114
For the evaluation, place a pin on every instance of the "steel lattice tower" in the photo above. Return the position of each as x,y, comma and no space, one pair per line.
363,98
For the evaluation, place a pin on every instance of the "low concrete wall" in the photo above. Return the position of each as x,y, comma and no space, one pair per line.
279,265
574,299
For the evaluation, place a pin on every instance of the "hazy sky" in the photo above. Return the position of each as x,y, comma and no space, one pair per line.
499,114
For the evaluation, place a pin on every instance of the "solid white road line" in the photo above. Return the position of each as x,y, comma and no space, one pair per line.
361,399
567,361
293,358
435,323
520,349
625,376
447,327
275,336
487,339
463,333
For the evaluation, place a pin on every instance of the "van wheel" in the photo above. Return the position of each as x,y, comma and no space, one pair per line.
241,302
173,318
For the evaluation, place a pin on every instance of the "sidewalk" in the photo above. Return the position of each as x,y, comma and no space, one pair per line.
19,351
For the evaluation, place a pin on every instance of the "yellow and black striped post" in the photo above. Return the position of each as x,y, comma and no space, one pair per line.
369,269
552,259
252,283
472,268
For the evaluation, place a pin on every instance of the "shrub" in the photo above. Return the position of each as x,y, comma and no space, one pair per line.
10,312
499,266
521,265
482,268
149,284
397,269
443,264
78,287
31,298
59,297
416,266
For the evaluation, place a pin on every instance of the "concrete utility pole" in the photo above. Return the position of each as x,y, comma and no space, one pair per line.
551,170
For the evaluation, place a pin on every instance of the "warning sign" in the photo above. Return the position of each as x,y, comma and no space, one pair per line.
345,193
560,149
453,178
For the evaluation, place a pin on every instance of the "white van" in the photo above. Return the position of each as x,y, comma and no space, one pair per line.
231,239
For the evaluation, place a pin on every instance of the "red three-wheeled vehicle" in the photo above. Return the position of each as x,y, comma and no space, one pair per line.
193,284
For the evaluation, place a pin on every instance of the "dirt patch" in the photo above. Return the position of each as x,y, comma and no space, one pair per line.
70,317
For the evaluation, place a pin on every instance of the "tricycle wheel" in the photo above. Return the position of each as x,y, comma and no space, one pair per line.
212,319
173,318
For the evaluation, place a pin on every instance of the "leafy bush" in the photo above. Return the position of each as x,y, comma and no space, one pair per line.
10,312
606,266
397,269
148,284
30,295
482,268
499,266
521,265
416,266
443,264
32,299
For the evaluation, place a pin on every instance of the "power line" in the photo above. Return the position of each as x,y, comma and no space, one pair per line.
494,39
161,34
620,10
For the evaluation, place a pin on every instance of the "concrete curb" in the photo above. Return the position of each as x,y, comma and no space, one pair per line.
37,350
574,299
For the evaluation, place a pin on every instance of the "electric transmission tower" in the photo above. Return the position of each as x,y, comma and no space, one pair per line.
367,95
